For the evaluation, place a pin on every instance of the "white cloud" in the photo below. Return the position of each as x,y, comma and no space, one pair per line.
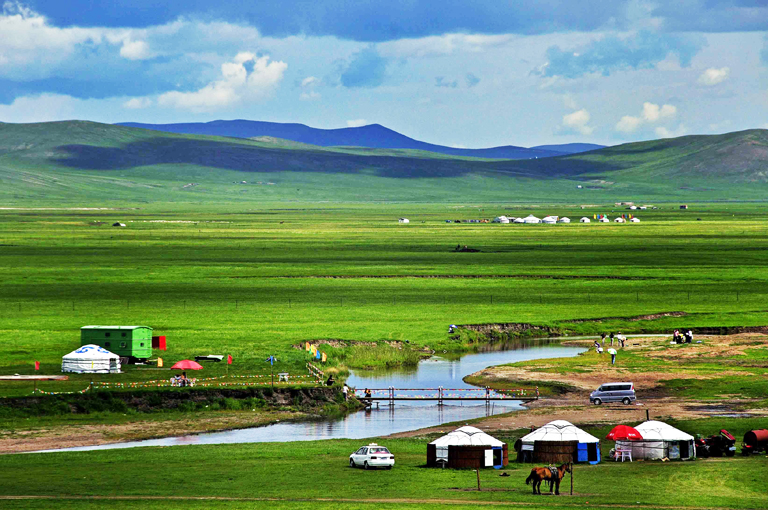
309,81
137,103
577,122
663,132
435,46
135,50
713,76
651,114
237,84
357,123
42,108
628,124
310,95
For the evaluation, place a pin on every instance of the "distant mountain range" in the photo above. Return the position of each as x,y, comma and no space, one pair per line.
82,162
372,136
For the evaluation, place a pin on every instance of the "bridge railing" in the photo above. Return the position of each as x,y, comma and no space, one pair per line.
441,394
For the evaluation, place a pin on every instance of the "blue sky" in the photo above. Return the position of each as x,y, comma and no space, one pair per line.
466,74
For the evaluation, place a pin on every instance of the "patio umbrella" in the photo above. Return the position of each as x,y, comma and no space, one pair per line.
624,433
187,364
611,351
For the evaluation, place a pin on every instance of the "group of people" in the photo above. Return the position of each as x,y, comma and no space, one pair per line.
600,345
181,380
682,338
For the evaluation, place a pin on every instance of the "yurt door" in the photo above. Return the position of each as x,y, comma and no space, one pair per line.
488,458
592,452
684,453
498,457
112,364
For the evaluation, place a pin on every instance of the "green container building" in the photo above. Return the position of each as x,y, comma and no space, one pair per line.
134,342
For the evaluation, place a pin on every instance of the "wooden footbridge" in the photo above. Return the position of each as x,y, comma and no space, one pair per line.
442,395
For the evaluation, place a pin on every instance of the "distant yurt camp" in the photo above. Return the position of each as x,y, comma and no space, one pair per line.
91,359
558,442
660,441
585,220
467,447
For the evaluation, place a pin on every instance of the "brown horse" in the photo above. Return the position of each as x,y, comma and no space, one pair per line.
542,474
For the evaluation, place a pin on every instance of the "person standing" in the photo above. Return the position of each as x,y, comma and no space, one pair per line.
345,391
613,358
602,338
611,338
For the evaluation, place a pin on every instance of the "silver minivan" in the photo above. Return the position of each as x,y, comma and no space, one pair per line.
613,392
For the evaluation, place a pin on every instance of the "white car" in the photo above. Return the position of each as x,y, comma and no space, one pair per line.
372,456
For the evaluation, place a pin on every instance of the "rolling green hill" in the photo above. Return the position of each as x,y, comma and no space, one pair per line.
78,161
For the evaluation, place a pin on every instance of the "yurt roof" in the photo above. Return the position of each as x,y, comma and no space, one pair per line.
559,430
467,436
660,431
90,351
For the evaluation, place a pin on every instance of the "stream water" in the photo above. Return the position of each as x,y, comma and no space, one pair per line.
385,419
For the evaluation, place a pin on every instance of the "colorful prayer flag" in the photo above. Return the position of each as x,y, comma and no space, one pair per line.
37,365
324,358
159,362
229,359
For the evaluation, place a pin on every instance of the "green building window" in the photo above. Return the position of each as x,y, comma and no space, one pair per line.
106,344
107,334
123,334
122,345
142,344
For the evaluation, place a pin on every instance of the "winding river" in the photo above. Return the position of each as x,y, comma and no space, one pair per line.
384,420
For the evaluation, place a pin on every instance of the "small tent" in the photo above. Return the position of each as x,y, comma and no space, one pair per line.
518,220
549,220
558,442
659,441
585,220
604,219
91,359
467,447
619,220
564,220
501,219
403,220
634,220
531,219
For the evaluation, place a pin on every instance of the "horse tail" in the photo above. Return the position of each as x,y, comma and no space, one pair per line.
530,477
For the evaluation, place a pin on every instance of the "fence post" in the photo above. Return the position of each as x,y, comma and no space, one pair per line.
571,478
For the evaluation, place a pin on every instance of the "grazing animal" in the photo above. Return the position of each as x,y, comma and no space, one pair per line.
553,476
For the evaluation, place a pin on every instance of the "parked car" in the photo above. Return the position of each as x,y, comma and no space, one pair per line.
372,456
613,392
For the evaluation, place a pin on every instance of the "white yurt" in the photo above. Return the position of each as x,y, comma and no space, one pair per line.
634,220
501,219
659,441
559,441
585,220
403,220
604,220
549,220
531,219
518,220
619,220
91,359
467,447
564,219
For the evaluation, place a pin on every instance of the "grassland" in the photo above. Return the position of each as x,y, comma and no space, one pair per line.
78,162
315,474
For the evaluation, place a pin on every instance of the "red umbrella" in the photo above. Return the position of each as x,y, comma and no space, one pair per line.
624,433
187,364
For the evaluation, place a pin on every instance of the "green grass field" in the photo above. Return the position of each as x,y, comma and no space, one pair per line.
315,474
252,282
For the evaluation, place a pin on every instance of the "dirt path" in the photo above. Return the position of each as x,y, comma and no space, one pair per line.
345,501
69,436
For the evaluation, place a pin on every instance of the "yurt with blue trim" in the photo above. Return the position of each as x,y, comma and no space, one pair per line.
558,442
91,359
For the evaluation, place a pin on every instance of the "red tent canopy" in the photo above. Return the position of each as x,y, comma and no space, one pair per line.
624,433
187,364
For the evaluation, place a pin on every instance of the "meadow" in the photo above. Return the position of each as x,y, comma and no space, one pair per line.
253,282
316,474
